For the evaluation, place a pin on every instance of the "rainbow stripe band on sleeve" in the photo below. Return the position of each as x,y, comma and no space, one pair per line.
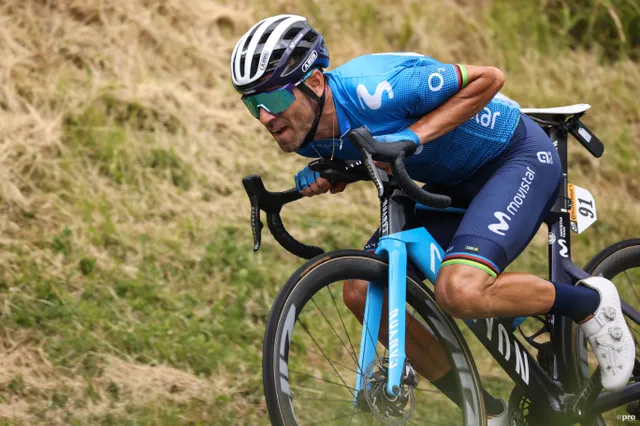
472,260
462,76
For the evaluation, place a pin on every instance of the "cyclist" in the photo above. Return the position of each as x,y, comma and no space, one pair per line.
473,145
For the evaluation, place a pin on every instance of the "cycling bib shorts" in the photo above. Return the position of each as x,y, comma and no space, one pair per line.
506,201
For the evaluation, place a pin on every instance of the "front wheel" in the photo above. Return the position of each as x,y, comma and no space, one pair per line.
310,353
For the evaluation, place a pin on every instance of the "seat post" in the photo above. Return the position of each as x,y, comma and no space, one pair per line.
559,136
558,221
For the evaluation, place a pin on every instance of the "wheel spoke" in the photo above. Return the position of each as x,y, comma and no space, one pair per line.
352,414
323,400
375,344
335,362
334,331
355,357
631,285
343,385
326,357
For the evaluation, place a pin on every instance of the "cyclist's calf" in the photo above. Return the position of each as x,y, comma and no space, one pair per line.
354,295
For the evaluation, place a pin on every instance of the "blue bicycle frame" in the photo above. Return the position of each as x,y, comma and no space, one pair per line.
427,255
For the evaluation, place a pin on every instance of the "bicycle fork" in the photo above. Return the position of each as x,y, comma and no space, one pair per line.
421,246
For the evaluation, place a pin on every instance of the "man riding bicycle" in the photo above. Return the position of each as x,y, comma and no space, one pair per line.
474,145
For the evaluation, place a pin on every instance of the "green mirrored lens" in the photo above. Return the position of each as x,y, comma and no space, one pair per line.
274,102
253,109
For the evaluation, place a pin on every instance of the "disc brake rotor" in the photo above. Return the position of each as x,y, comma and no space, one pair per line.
395,410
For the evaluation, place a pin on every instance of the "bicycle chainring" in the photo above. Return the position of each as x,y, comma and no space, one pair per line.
389,411
521,409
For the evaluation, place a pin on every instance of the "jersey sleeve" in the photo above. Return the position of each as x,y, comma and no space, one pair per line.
424,87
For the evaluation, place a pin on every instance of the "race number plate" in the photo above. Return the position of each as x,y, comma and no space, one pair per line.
583,208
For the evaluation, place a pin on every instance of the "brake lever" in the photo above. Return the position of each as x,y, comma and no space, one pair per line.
375,174
256,223
261,199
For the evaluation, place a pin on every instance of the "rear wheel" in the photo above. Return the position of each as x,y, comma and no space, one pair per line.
310,354
619,263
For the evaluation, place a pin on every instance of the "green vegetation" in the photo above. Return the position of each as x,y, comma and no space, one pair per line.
130,292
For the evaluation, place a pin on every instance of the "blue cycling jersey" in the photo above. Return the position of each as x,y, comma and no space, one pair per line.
388,92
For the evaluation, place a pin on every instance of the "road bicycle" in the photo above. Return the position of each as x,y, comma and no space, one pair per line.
321,365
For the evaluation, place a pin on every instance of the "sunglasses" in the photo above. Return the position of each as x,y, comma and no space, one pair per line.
274,101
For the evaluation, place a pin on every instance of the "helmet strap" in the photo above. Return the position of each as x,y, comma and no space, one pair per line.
320,100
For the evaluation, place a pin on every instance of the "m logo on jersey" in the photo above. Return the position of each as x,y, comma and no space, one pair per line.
501,226
373,101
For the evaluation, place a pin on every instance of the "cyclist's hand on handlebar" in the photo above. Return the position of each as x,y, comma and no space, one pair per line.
338,187
309,183
321,186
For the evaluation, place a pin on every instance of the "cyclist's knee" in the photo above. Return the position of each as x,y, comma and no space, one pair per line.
354,295
459,290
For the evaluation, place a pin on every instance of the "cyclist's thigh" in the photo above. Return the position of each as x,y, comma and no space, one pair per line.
514,195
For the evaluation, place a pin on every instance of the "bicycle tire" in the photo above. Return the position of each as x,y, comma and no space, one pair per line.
332,267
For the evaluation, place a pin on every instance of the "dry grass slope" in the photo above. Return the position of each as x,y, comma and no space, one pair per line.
129,290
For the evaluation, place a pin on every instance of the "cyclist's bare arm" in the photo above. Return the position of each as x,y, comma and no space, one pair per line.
483,83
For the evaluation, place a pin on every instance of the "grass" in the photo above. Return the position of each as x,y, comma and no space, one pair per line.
130,293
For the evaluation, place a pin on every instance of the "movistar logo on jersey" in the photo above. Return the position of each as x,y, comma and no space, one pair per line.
373,101
514,206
